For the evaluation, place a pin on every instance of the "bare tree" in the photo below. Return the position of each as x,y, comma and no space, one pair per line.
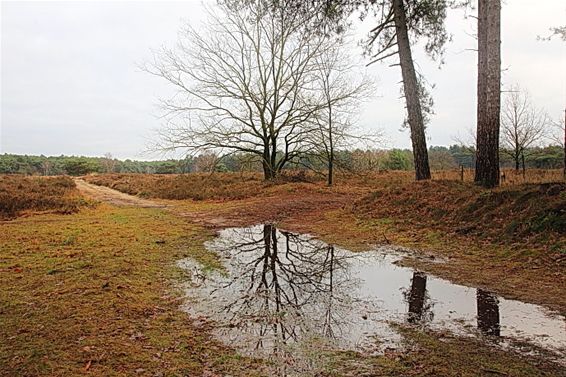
342,92
398,24
46,166
559,136
245,83
108,163
206,162
522,125
557,31
489,93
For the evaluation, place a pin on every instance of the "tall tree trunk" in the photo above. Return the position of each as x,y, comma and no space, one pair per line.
489,92
564,172
523,161
267,171
331,147
268,168
331,169
411,90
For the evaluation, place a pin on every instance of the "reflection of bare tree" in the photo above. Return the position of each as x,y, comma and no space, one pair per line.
283,287
488,313
418,300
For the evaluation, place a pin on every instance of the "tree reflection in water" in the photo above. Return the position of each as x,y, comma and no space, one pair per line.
420,305
284,288
488,313
287,297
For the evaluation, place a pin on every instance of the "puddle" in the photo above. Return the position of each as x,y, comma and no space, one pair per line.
283,294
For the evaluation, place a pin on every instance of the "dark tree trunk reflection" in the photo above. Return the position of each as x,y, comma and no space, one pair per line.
488,313
417,297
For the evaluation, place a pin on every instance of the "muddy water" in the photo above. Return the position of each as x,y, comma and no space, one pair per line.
284,295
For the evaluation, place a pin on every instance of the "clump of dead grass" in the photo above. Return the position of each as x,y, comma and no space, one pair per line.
20,194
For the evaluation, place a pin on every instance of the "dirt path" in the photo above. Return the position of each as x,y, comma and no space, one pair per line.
117,198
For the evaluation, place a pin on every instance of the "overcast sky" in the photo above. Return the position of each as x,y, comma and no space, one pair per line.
70,82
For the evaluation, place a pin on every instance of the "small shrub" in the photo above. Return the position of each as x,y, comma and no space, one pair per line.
19,194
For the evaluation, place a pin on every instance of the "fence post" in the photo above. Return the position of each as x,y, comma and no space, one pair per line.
462,173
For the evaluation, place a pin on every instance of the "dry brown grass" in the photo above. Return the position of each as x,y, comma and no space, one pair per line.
20,195
198,186
508,214
234,186
509,177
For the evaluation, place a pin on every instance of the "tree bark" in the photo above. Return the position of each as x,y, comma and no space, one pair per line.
489,93
330,146
268,168
410,87
331,169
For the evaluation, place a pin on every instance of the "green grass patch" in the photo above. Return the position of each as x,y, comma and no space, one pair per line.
93,292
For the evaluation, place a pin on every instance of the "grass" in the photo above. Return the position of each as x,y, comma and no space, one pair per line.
504,215
20,195
103,304
433,353
92,292
442,354
509,177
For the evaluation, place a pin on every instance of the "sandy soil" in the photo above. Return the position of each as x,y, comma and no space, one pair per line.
108,195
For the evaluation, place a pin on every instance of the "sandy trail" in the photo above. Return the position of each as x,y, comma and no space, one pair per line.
117,198
114,197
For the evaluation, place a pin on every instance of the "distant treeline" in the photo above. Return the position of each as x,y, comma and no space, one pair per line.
441,158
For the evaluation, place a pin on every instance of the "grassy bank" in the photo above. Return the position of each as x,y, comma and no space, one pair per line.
530,213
